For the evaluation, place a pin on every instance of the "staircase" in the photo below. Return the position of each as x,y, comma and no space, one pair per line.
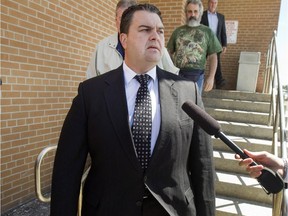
243,118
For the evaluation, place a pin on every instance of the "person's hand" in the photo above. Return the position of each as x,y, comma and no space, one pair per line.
262,158
224,49
208,84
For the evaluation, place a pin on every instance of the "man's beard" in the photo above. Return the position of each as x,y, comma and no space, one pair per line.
193,22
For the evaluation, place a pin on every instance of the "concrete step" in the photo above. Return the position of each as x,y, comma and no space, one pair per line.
244,143
248,130
232,104
243,117
227,206
240,186
239,116
237,95
226,162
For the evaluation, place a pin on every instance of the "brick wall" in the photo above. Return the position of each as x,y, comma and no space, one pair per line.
45,49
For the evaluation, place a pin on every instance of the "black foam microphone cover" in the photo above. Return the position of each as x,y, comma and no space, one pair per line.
209,124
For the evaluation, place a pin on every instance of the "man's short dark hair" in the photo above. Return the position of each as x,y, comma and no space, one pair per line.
129,12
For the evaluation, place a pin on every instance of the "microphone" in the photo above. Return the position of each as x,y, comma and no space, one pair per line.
270,181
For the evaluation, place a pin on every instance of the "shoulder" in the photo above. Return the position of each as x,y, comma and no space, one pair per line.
104,79
180,28
220,14
205,29
221,17
110,40
175,79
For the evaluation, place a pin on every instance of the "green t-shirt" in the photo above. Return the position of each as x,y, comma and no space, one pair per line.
191,45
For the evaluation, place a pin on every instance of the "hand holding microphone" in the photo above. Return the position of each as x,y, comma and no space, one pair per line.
270,181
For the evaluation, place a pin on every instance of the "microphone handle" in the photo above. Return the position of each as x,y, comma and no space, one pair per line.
233,146
270,181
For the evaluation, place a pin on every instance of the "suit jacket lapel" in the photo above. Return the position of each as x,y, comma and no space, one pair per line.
115,98
168,103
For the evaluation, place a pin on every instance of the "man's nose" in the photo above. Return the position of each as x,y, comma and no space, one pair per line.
154,35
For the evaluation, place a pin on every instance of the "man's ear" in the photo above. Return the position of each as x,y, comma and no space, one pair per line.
123,40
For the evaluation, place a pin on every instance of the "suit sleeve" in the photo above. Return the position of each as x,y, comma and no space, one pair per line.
202,170
70,160
223,33
204,19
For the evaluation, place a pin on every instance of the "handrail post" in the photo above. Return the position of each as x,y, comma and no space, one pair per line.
38,163
276,115
38,188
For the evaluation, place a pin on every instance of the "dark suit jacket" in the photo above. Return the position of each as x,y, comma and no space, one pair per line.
180,174
221,28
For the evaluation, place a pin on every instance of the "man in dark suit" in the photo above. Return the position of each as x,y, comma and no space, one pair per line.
179,177
216,21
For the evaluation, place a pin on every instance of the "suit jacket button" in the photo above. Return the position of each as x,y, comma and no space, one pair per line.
139,203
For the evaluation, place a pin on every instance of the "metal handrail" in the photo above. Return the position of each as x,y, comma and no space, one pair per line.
272,84
38,188
38,163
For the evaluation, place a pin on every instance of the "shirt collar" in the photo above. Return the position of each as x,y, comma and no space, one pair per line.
209,12
129,74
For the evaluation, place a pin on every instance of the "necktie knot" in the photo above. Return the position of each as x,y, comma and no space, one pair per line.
143,79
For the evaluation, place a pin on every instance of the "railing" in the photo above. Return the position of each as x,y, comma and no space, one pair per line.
46,199
38,163
272,84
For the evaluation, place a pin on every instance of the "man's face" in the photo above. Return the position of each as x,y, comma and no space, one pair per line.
193,15
212,5
119,13
144,41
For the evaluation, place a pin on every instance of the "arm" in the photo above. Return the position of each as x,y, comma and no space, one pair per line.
223,34
70,160
264,159
224,37
171,46
209,80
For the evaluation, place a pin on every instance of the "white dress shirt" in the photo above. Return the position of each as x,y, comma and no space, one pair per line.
213,21
131,88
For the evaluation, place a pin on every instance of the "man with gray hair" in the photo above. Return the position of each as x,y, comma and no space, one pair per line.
216,21
109,53
191,44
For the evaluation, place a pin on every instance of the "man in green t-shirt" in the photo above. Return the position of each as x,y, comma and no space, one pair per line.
191,44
